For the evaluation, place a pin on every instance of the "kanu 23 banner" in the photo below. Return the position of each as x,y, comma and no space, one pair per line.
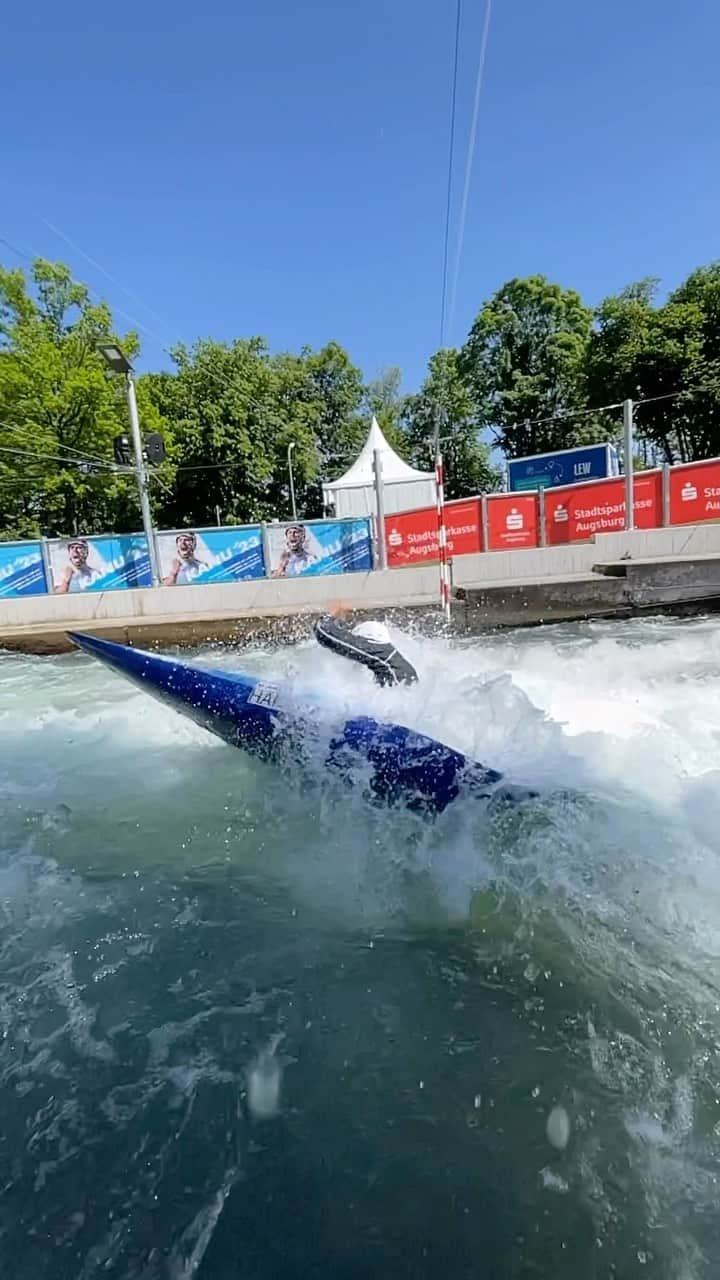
22,572
103,563
331,546
210,555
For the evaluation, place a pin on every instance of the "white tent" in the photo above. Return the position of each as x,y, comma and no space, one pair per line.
404,487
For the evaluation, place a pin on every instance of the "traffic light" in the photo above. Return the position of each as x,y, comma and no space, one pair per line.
122,452
154,447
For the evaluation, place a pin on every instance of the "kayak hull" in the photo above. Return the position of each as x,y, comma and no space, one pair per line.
235,708
393,765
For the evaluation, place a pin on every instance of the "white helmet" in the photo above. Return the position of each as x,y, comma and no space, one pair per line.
375,631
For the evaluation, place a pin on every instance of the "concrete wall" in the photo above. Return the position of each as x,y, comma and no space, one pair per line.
265,597
581,557
232,610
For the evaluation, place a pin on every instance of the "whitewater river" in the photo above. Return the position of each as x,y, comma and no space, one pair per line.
250,1032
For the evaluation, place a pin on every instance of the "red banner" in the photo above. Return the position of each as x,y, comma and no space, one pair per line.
695,493
412,536
574,513
577,512
512,521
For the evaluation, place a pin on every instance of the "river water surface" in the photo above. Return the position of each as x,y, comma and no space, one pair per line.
255,1029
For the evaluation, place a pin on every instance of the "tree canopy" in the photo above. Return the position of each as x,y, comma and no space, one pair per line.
668,356
59,409
445,402
525,365
537,372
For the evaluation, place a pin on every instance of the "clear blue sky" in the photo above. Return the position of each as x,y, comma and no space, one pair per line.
280,168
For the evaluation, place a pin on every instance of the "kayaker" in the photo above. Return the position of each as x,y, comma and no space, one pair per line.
368,643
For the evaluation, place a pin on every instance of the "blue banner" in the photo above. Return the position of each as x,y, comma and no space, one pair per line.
210,555
21,570
567,466
328,546
104,563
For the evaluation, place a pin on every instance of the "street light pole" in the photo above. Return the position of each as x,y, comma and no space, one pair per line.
142,478
118,362
291,446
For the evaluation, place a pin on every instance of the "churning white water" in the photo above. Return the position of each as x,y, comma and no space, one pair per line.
568,984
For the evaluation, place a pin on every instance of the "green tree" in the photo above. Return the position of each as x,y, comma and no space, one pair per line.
702,288
335,388
444,398
386,403
645,352
524,363
59,409
235,410
324,390
700,406
225,423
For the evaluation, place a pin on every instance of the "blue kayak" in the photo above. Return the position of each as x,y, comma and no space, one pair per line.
393,765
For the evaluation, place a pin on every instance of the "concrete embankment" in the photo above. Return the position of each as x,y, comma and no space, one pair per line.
618,575
613,576
195,615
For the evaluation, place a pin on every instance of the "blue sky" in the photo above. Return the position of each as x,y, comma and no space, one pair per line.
280,169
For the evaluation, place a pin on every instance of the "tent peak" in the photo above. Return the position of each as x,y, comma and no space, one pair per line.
393,466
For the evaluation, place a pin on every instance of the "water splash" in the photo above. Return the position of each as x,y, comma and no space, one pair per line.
592,919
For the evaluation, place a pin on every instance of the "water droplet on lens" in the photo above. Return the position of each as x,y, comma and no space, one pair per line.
558,1128
264,1079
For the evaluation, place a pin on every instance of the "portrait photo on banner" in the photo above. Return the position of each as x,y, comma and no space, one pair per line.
104,563
184,557
231,554
77,565
293,548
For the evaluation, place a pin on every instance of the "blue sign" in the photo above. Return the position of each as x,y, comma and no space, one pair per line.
105,563
22,572
568,466
327,546
210,555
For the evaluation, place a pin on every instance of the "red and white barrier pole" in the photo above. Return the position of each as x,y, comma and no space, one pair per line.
442,536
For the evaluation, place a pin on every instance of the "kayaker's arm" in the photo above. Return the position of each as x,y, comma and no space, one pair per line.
386,663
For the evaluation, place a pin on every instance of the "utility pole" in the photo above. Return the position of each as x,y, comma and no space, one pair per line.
142,478
291,446
117,361
628,460
380,508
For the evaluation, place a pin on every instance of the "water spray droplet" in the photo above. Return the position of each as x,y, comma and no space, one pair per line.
558,1128
263,1080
